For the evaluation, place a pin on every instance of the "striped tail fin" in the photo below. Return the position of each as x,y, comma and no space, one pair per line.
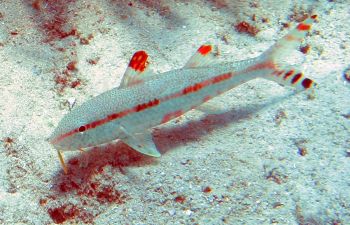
287,74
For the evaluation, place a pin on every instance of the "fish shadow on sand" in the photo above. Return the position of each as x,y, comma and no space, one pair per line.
168,139
83,167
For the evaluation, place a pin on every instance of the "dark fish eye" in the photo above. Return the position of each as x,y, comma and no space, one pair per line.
82,129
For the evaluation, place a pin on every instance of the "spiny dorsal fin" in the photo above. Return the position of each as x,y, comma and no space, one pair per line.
204,56
137,70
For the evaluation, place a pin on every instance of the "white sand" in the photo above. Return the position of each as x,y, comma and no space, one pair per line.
247,157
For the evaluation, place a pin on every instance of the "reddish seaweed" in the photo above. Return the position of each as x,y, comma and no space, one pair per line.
91,185
245,27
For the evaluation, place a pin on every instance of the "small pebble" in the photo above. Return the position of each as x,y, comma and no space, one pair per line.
71,102
267,35
348,153
207,189
188,212
172,212
302,151
346,74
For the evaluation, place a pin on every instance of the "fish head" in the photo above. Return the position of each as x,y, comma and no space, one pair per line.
75,131
67,135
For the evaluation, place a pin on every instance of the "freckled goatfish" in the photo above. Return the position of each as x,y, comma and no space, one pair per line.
144,100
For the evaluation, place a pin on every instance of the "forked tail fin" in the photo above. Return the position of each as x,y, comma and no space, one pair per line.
285,74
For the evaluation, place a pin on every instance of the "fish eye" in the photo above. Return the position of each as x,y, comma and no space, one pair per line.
82,129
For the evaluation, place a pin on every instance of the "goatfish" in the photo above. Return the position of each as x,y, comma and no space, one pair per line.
144,100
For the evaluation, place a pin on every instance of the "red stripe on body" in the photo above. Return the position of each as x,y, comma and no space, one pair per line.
63,136
144,106
140,107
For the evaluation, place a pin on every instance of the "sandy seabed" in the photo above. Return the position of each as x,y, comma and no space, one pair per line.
271,157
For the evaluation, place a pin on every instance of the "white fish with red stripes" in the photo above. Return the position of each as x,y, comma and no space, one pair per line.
144,99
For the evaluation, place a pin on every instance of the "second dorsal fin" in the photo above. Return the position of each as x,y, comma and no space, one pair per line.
137,70
204,56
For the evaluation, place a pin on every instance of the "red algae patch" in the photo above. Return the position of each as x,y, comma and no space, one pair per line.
87,191
110,195
54,19
305,49
207,189
57,21
245,27
63,213
180,199
86,196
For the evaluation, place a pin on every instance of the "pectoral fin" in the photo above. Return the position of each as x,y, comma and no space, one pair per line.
141,142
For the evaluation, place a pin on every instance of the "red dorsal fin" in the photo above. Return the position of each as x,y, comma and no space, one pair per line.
137,70
204,56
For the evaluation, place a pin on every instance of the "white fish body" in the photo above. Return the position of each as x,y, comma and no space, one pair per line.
144,100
